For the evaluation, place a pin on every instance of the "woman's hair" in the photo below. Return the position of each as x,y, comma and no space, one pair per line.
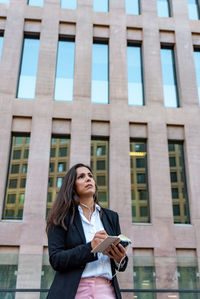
67,199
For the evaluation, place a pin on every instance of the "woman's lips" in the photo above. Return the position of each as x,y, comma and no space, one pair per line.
89,186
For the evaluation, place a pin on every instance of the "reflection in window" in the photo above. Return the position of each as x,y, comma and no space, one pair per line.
4,1
139,185
144,276
59,164
8,273
132,7
178,183
68,4
29,63
169,78
100,72
135,77
65,70
99,165
197,68
13,206
1,43
101,5
193,9
36,2
163,8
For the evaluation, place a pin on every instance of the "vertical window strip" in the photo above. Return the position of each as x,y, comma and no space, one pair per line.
170,88
99,165
29,64
65,69
180,201
47,275
68,4
139,181
133,7
100,72
59,165
101,5
16,182
197,69
135,75
163,7
193,9
1,43
36,2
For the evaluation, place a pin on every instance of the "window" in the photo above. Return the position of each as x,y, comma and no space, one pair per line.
163,8
28,71
1,43
197,68
139,184
101,5
58,165
16,183
178,183
65,69
132,7
193,9
47,274
36,2
68,4
135,77
99,165
100,72
4,1
169,77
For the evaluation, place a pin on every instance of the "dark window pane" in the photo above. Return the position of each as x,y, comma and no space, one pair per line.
143,212
171,147
175,193
140,162
143,195
50,184
101,180
15,168
26,152
141,178
62,152
101,165
172,161
173,177
16,154
102,196
23,183
51,167
11,198
176,210
53,152
13,184
49,197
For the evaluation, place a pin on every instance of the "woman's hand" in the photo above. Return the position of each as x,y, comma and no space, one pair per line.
98,238
116,252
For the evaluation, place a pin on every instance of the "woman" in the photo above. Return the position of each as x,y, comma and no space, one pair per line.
76,224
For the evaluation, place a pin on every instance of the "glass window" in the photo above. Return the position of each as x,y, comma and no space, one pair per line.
29,63
65,70
100,74
163,8
193,9
169,78
197,68
139,185
68,4
135,77
59,164
1,43
36,2
133,7
47,275
4,1
101,5
178,183
13,204
99,165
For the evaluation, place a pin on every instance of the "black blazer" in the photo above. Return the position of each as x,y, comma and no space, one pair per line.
69,253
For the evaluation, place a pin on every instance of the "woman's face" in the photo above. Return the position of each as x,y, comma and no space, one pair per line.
84,183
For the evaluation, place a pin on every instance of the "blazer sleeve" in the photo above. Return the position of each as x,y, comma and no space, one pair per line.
62,259
125,261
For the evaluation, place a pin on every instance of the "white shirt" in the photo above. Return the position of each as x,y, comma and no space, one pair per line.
102,266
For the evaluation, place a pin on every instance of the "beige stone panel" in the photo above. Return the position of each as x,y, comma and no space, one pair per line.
33,12
11,232
167,37
4,9
48,51
134,21
32,25
23,108
21,124
134,34
166,24
100,128
61,126
100,31
194,26
184,236
138,130
66,28
175,132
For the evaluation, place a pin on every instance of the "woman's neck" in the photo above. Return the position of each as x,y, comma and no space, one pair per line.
87,206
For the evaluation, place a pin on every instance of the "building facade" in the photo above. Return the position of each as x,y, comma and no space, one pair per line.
113,84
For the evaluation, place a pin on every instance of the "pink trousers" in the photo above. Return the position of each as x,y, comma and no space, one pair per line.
95,288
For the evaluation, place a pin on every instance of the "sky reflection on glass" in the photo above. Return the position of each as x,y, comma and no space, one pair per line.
65,71
100,73
132,7
4,1
135,80
68,4
101,5
163,8
36,2
169,78
1,45
193,9
27,79
197,68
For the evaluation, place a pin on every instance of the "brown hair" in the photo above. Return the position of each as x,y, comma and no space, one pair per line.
67,199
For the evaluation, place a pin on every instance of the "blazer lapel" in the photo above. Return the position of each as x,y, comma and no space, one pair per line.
79,226
107,224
